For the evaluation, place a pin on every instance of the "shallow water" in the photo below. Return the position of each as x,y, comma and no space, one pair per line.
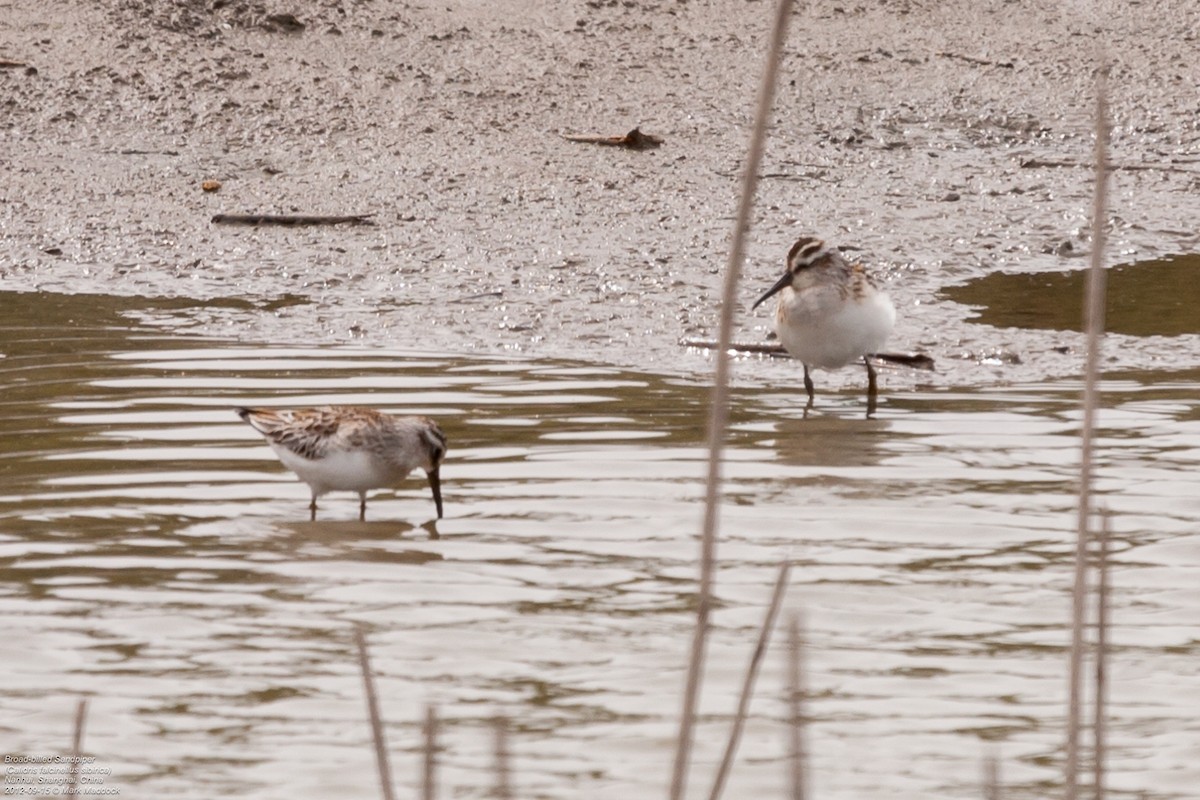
157,559
1149,298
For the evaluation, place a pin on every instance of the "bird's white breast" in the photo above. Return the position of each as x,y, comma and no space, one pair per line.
821,327
355,470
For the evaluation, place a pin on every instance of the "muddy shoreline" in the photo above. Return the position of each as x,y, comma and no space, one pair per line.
936,142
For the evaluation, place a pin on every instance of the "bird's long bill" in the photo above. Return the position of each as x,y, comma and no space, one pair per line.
786,280
435,483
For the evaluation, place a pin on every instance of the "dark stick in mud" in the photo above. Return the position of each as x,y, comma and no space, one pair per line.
291,219
775,350
634,140
719,410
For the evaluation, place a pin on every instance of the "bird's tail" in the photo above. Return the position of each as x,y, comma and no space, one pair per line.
262,420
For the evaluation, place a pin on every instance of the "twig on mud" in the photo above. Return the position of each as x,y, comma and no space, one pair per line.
291,219
9,64
1038,163
719,411
634,140
381,756
982,62
910,360
762,349
775,350
1094,317
760,649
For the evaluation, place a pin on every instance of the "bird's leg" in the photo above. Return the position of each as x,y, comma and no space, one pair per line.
362,506
312,510
872,387
808,387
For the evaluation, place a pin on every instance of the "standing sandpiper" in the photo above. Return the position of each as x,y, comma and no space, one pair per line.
830,313
349,448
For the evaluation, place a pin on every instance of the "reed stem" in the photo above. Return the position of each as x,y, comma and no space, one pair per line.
77,746
795,700
719,411
381,756
756,658
429,769
1100,725
503,773
1094,321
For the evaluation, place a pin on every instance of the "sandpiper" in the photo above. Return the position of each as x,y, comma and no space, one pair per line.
349,448
830,313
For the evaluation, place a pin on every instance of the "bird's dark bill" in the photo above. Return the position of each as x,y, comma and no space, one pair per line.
786,280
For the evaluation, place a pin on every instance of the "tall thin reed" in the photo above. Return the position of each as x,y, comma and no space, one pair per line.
795,700
760,649
381,756
77,746
503,773
719,410
991,777
1099,725
1094,319
429,769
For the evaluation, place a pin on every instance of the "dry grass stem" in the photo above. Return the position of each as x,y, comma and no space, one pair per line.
795,701
1099,729
760,649
428,773
719,411
381,756
503,779
77,746
1094,311
991,777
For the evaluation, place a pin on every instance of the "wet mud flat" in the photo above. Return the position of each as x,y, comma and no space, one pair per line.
936,142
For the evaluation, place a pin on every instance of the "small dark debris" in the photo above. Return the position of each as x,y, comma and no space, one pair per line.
283,23
291,219
634,140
